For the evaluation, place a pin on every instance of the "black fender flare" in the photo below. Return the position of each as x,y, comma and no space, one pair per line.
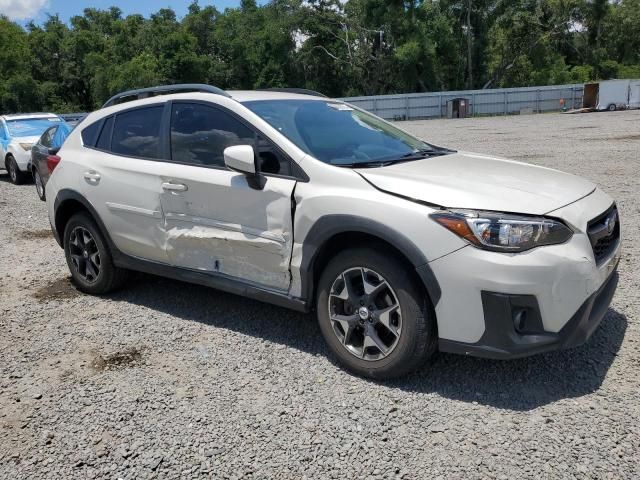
68,194
328,226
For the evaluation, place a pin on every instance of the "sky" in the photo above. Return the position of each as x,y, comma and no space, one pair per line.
23,11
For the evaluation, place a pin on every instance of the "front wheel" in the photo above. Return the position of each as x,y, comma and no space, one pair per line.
374,316
16,176
612,107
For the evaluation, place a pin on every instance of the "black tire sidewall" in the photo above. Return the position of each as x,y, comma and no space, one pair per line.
37,175
12,165
414,307
104,280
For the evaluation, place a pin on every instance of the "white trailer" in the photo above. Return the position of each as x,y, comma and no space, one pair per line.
612,95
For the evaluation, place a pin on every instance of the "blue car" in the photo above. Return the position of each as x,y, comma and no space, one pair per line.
18,133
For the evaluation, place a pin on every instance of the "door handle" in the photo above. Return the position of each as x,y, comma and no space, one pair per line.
92,176
174,187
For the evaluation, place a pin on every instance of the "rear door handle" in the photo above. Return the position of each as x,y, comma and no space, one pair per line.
92,176
174,187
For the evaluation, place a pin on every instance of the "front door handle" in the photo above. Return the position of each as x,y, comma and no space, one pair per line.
92,176
174,187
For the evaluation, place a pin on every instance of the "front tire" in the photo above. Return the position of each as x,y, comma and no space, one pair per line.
15,175
612,107
89,260
373,314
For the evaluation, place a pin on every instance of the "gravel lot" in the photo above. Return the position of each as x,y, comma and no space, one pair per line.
172,380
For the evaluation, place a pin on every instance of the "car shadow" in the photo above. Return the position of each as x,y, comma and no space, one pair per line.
522,384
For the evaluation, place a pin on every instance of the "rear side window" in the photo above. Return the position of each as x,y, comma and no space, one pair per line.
199,134
136,133
45,140
104,140
90,133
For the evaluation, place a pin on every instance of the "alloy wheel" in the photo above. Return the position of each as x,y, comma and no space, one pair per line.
365,313
84,254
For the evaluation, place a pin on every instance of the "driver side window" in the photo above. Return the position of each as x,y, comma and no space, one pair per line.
200,134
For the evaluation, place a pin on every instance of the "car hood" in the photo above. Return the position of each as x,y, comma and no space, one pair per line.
473,181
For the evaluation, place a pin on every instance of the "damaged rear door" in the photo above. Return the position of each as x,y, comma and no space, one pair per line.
214,220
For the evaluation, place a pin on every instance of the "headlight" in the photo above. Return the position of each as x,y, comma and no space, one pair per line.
503,232
26,146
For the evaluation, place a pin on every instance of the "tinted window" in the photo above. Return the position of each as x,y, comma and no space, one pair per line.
90,133
45,140
136,132
199,134
104,140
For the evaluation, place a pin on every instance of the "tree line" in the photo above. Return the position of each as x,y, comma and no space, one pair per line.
341,48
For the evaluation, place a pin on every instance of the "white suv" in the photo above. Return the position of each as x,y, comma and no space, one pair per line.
289,197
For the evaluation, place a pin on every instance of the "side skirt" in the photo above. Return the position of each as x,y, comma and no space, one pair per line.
214,280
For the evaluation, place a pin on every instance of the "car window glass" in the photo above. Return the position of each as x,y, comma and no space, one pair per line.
199,134
90,133
136,132
45,140
104,140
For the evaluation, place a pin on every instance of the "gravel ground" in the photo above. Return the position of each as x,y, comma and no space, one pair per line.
172,380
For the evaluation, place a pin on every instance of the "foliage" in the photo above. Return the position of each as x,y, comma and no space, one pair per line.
355,47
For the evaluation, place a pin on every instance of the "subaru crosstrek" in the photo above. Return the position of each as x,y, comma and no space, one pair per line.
401,247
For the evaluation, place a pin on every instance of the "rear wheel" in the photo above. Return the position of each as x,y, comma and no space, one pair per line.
612,107
37,179
15,175
88,257
373,315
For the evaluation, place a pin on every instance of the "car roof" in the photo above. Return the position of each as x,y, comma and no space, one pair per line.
29,116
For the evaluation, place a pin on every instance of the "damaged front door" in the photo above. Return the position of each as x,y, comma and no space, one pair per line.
214,220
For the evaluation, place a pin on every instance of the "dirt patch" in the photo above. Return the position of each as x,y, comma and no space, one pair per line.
35,234
627,137
609,139
57,290
122,359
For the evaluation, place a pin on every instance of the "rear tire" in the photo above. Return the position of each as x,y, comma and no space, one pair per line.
612,107
37,179
89,260
15,175
385,334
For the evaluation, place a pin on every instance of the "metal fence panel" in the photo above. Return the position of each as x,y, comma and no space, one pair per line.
501,101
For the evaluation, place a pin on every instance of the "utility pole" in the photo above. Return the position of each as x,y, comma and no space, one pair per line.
469,47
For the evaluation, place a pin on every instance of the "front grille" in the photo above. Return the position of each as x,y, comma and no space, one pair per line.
604,233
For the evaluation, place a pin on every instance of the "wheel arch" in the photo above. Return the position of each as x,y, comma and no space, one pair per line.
69,202
333,233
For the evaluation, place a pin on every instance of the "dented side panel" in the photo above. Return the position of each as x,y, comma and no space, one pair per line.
220,224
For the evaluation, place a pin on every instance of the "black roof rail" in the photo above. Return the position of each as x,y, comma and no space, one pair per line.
301,91
139,93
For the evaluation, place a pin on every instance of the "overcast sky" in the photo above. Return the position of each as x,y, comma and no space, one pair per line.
25,10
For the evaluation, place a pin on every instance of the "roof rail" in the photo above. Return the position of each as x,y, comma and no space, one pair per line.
137,94
301,91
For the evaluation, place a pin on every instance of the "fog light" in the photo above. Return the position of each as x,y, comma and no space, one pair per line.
520,320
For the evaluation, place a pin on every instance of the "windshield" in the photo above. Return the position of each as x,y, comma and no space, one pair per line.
337,133
30,127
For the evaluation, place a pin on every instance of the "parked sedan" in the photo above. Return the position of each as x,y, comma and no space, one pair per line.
43,155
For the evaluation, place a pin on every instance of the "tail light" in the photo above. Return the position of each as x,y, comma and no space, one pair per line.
52,162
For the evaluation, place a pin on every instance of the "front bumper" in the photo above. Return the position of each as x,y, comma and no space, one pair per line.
502,341
23,158
563,289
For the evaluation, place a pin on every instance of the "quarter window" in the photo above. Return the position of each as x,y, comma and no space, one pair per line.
136,133
104,140
45,141
199,134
